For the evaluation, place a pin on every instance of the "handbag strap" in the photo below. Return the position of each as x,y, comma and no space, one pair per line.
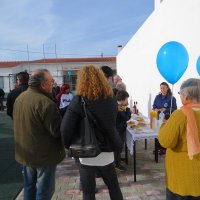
84,108
91,116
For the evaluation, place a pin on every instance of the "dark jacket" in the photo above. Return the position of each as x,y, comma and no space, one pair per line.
36,121
12,97
165,102
104,111
122,118
2,93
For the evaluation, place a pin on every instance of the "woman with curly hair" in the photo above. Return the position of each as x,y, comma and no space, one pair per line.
93,86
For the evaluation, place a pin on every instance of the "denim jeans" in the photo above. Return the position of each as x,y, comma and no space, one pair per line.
109,176
172,196
39,183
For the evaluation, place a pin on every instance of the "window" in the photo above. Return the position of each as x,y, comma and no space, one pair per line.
1,82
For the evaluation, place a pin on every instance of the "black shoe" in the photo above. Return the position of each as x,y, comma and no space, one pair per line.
162,152
120,168
123,159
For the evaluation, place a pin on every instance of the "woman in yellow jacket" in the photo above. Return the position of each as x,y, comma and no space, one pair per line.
181,136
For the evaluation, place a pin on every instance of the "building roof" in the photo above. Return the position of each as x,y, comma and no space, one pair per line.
9,64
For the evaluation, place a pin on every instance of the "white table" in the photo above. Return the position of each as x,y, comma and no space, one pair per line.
132,136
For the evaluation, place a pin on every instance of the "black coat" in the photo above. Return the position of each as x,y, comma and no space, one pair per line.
104,111
12,97
122,118
2,93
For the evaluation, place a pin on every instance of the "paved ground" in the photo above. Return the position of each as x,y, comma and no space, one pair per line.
10,173
149,185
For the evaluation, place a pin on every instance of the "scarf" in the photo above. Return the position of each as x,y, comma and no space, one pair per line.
193,143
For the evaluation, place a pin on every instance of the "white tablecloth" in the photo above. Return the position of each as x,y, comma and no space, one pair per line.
133,135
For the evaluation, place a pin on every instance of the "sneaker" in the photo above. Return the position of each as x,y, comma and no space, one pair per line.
120,168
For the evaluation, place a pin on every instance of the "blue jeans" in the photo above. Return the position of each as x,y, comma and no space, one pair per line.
172,196
39,183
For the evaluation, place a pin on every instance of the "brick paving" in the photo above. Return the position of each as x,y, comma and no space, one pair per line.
149,185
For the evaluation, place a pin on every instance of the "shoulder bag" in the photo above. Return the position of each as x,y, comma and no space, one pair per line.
87,145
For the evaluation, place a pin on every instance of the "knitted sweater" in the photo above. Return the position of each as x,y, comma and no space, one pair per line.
182,174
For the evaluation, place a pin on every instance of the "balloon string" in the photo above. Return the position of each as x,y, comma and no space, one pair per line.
171,99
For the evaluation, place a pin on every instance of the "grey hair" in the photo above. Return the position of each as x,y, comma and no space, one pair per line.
121,86
117,77
191,88
37,77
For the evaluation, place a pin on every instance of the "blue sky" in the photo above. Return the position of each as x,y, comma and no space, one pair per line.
79,28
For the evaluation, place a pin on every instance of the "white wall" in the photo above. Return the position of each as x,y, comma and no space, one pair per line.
57,70
173,20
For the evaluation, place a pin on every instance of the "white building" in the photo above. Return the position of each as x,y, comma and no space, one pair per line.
171,20
58,67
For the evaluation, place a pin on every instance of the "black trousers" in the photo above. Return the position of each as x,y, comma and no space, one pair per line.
109,176
117,154
1,104
172,196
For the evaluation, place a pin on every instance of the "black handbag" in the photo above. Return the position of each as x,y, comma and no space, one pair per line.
86,146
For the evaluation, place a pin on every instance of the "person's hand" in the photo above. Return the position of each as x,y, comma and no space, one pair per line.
121,108
162,109
156,109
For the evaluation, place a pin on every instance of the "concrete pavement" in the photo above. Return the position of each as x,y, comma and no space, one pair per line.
149,185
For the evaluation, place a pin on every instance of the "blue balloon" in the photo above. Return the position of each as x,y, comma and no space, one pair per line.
198,65
172,61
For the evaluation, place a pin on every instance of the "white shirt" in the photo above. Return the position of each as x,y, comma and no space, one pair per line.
65,100
103,159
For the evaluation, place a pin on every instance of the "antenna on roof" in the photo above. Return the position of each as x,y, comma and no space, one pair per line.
56,60
44,55
28,58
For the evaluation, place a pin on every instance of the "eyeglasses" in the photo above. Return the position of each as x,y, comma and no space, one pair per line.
52,80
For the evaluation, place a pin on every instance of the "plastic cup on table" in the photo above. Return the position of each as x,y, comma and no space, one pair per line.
153,115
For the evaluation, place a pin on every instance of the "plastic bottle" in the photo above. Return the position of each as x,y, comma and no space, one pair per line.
134,108
155,124
137,111
161,118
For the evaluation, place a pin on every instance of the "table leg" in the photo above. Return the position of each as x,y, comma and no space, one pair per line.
145,144
156,149
126,154
134,159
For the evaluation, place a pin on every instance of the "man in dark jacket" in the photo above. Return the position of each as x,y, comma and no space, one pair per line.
21,85
2,93
108,72
38,146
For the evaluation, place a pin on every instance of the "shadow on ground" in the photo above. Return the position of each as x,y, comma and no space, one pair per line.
11,181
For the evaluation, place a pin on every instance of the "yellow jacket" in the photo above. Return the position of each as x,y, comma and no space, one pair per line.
182,174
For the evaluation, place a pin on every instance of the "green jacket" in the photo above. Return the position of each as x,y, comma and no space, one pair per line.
37,122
